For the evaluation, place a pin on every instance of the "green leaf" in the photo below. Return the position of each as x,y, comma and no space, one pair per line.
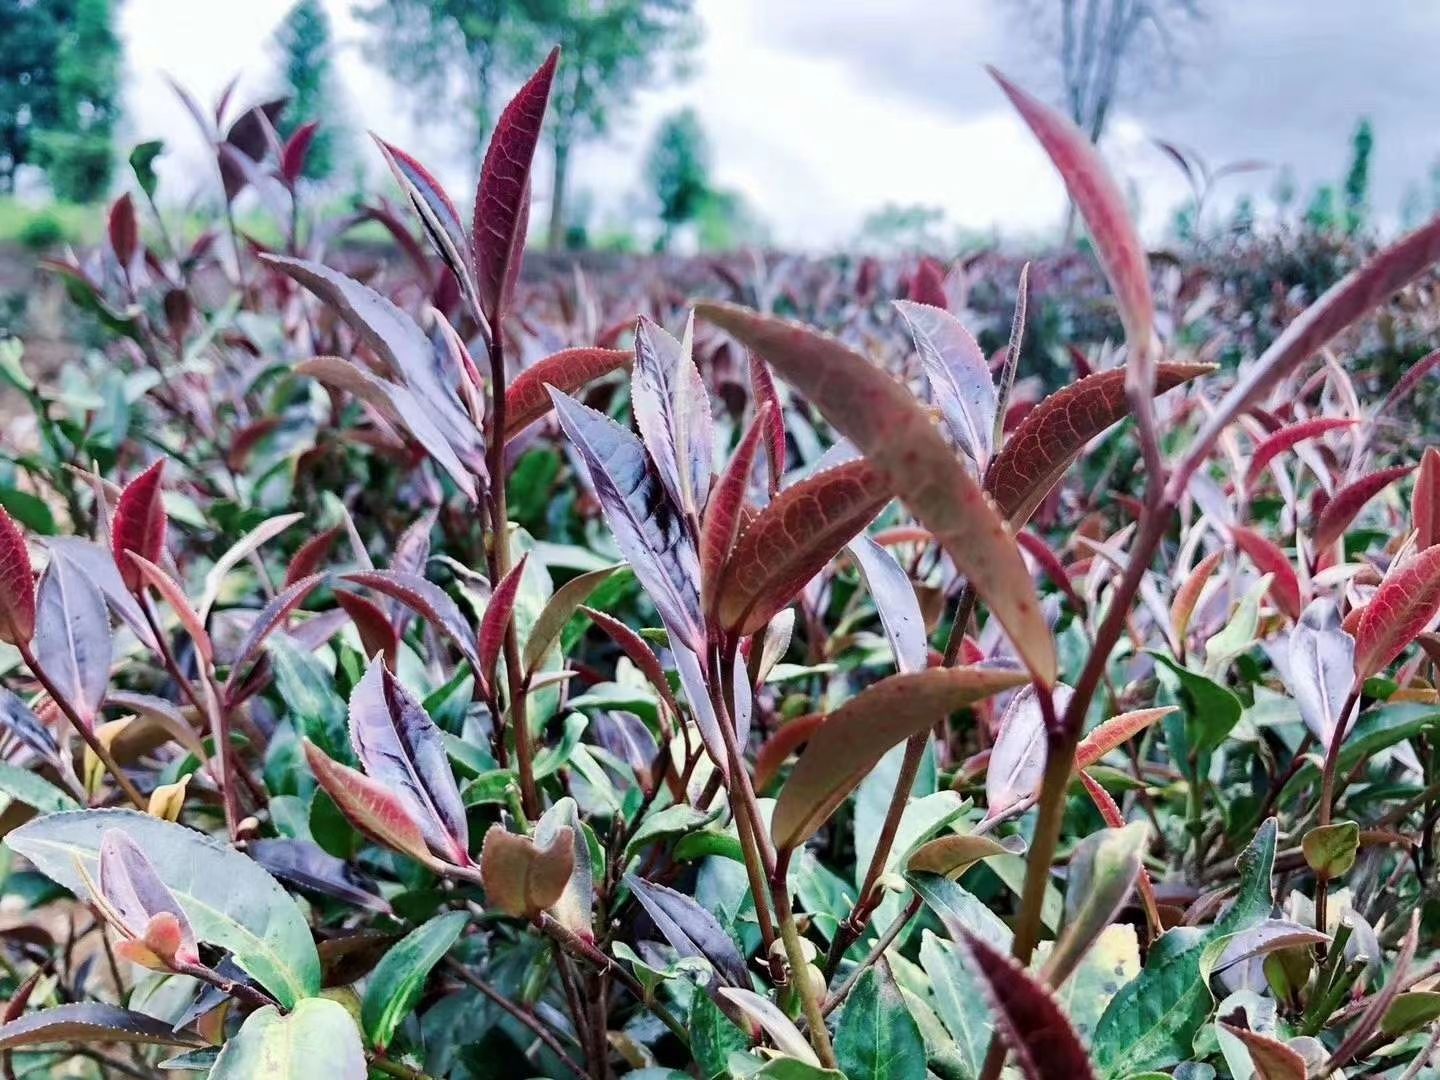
318,1039
1110,963
957,907
1151,1023
34,790
713,1038
1377,730
876,1038
1238,635
791,1069
1330,849
28,510
1103,871
399,978
959,999
230,901
308,690
673,821
1211,710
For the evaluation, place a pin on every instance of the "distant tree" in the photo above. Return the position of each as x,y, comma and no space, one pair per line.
1107,49
1356,189
59,93
307,57
450,55
678,170
611,48
29,100
897,229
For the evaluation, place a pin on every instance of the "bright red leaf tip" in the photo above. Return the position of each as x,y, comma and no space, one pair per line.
569,370
1277,443
502,199
1101,204
17,584
124,231
139,524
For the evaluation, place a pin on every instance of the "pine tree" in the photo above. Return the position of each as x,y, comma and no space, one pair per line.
308,67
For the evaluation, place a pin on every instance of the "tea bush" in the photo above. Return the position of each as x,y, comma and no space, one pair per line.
437,670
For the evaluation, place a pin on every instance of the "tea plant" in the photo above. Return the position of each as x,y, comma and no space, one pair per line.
752,703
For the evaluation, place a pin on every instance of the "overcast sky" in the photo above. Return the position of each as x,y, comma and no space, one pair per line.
819,111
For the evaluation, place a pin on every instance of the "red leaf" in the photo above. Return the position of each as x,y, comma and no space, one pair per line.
139,524
1051,564
1102,205
1341,305
1343,507
17,584
722,512
928,285
762,388
1111,733
1033,1026
1269,559
1273,445
1425,511
896,434
175,596
639,653
1052,434
1273,1060
292,159
773,752
527,400
792,539
1404,605
370,806
311,554
124,231
502,199
377,634
497,619
1182,608
1409,380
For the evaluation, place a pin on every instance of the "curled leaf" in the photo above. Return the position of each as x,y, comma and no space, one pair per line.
370,806
959,376
520,877
402,749
724,509
1320,668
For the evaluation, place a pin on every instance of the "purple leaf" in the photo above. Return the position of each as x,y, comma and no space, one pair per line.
672,411
271,616
502,199
1321,668
72,636
959,376
402,749
647,525
428,601
312,869
690,929
20,720
1017,760
895,602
